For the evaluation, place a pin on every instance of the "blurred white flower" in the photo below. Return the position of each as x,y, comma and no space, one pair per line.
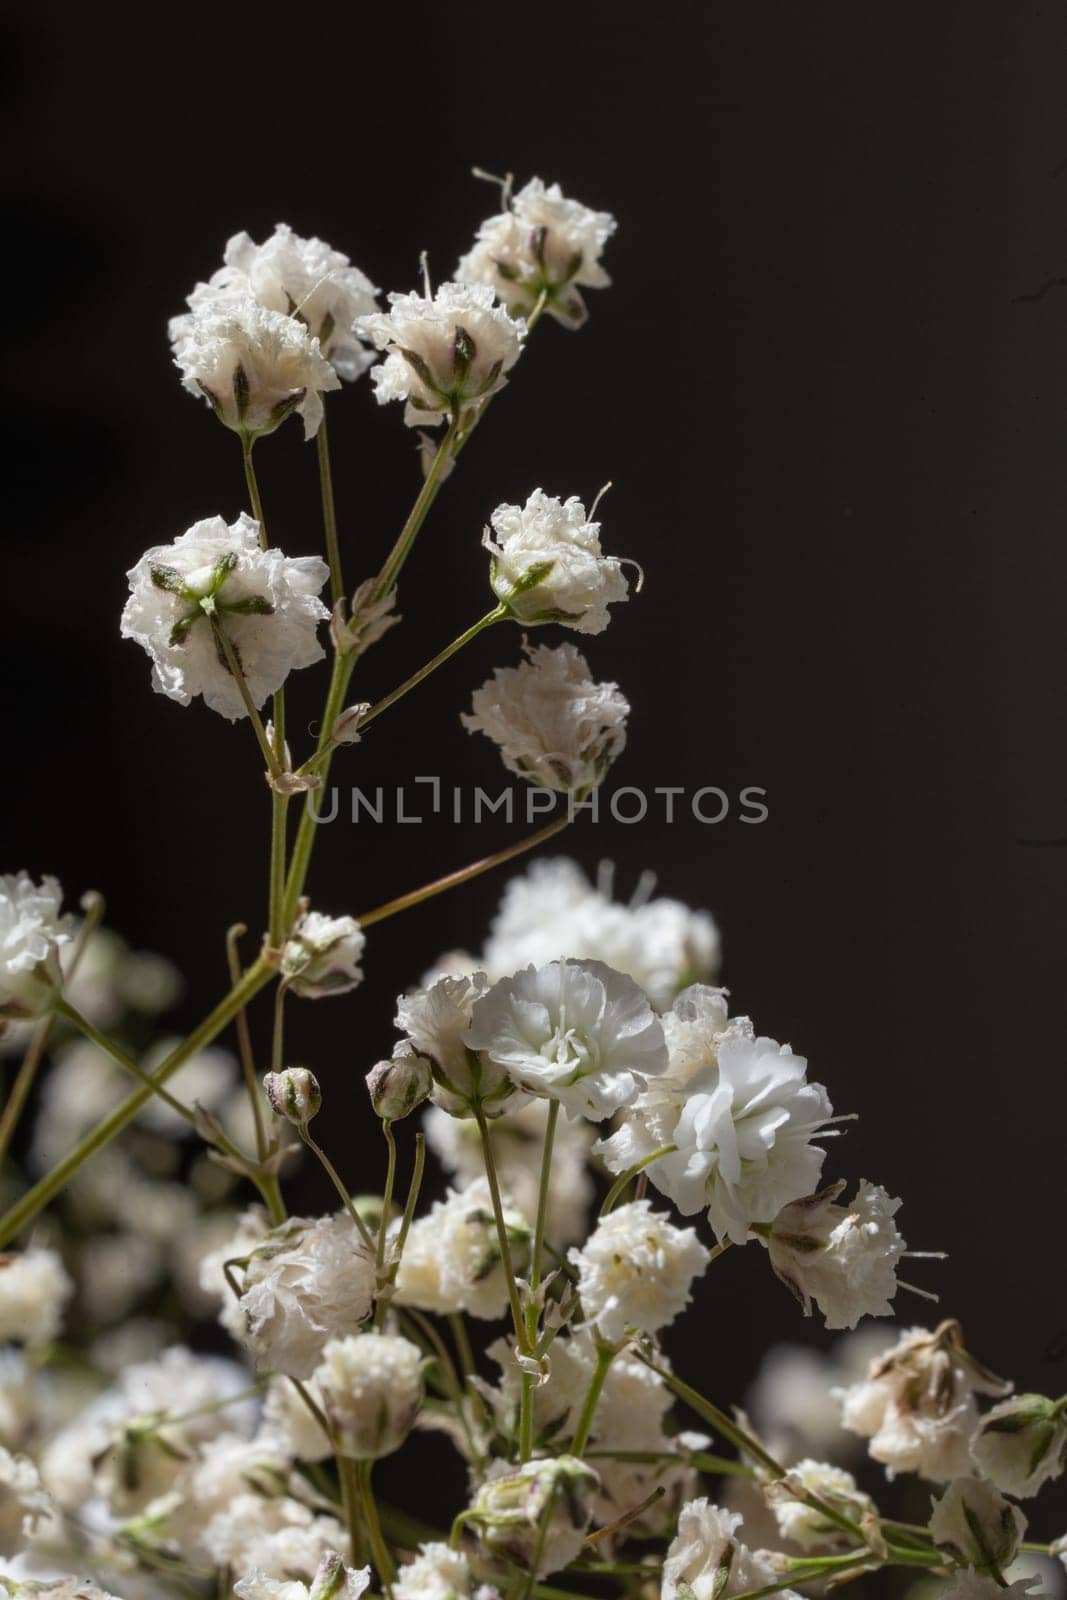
322,955
279,1538
977,1526
573,1031
554,725
805,1524
541,244
547,564
1022,1443
32,931
34,1288
444,352
254,367
26,1507
636,1270
536,1515
332,1581
842,1257
435,1021
451,1260
302,278
438,1573
371,1388
707,1561
216,576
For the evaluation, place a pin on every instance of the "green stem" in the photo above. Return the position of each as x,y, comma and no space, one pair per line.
253,488
109,1048
621,1183
501,1228
54,1182
329,513
277,1043
605,1355
335,1178
418,1167
279,811
387,1194
497,614
244,1043
453,880
526,1396
409,532
238,677
349,1479
343,665
383,1561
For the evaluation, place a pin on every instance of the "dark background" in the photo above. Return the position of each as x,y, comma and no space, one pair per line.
829,397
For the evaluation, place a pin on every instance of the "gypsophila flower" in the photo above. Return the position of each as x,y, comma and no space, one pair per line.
574,1031
322,955
444,352
438,1573
301,278
547,564
540,248
332,1581
635,1271
279,1538
805,1524
743,1136
791,1401
32,932
254,367
400,1084
66,1588
34,1288
537,1514
451,1260
706,1561
371,1387
976,1586
301,1285
977,1526
1022,1443
842,1257
293,1094
26,1507
214,580
553,724
916,1404
435,1021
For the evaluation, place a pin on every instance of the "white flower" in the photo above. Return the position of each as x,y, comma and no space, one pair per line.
65,1588
288,1419
976,1586
371,1390
629,1415
435,1021
548,565
216,576
302,278
574,1031
916,1404
977,1526
792,1399
542,243
34,1288
322,955
26,1507
277,1538
842,1257
332,1581
743,1136
705,1559
32,931
436,1573
1022,1443
804,1524
254,367
636,1270
303,1284
444,352
540,1510
518,1140
451,1260
554,725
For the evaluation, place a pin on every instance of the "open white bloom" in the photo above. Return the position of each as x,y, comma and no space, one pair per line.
916,1404
705,1559
303,1284
214,580
26,1507
842,1257
436,1573
542,244
635,1271
32,932
573,1031
302,278
1022,1443
332,1581
743,1136
254,367
371,1387
547,564
279,1538
518,1140
451,1260
537,1512
555,726
34,1288
435,1021
322,955
552,911
977,1526
444,352
804,1524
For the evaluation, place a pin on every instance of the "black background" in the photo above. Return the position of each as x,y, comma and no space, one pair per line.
830,401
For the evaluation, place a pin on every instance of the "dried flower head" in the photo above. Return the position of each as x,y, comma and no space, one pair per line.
547,564
843,1257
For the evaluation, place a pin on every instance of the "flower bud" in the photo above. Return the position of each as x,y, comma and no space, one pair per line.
1022,1443
346,729
977,1526
400,1084
370,1385
294,1094
510,1512
335,1581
